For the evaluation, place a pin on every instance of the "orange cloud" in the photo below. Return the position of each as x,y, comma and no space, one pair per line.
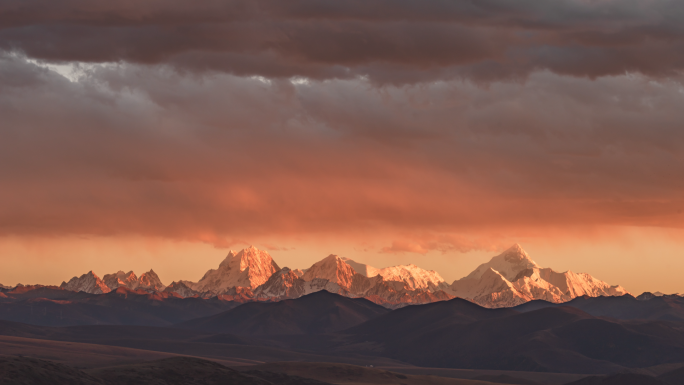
135,150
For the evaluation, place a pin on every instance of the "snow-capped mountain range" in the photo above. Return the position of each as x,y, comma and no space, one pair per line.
508,279
91,283
513,278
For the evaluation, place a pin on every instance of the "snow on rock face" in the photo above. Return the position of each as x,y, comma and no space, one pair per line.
250,268
282,284
513,278
89,283
509,264
404,285
508,279
414,277
150,281
118,279
181,288
333,269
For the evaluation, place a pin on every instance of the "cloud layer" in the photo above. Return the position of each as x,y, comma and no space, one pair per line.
146,150
448,125
398,41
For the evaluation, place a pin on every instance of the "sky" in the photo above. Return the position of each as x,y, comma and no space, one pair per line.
160,134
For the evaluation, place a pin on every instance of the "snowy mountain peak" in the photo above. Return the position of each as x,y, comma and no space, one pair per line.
228,258
342,271
249,268
508,279
118,279
89,283
181,288
333,269
282,284
515,255
415,277
509,264
512,278
150,281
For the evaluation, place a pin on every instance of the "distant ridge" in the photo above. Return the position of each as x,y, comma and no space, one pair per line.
626,307
508,279
320,312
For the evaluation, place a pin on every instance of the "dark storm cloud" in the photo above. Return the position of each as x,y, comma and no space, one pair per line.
390,41
425,120
147,150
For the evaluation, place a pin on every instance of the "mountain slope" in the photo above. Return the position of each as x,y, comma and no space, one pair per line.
562,339
619,379
513,278
320,312
333,269
176,370
248,268
89,283
427,317
413,276
25,370
391,287
674,377
148,281
168,371
509,279
626,307
118,279
58,307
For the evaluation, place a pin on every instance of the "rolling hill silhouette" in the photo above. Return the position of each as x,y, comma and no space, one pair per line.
320,312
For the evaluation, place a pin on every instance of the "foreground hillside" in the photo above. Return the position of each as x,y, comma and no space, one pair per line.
169,371
456,334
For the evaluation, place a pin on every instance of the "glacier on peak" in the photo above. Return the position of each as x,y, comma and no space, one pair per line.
248,268
509,264
413,276
512,278
333,269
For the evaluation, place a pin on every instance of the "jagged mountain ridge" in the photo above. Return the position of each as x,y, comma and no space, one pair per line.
249,268
91,283
88,282
118,279
508,279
